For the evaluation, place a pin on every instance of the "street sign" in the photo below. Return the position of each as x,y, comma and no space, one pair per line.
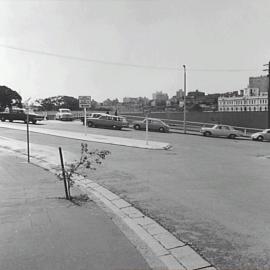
85,101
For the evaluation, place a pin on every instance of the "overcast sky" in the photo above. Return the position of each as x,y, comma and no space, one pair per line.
211,37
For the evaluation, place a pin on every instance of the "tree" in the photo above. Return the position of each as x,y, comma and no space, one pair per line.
9,97
57,102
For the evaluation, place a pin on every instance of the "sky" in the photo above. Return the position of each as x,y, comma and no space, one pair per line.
131,48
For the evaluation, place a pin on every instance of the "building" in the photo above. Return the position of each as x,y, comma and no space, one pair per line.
159,96
260,82
249,99
180,94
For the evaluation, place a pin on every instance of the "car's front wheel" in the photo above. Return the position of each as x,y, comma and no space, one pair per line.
90,124
207,133
232,136
34,121
260,138
137,127
161,129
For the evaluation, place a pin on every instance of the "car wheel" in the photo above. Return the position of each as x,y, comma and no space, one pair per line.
34,121
137,127
161,129
10,120
232,136
114,127
90,124
3,119
207,133
260,138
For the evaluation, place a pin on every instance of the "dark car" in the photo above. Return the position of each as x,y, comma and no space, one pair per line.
153,125
20,115
107,121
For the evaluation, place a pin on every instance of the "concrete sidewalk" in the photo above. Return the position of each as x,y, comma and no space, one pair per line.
40,231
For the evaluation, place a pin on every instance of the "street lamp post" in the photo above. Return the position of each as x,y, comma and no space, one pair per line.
184,66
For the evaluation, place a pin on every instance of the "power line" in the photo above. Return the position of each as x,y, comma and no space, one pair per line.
86,59
103,62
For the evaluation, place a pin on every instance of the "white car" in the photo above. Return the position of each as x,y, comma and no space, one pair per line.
261,136
64,114
222,131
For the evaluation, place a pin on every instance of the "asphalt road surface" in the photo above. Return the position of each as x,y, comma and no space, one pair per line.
212,193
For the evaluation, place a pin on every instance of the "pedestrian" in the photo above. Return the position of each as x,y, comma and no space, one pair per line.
116,113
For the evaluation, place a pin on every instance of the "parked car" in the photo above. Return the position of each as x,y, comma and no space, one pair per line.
64,114
222,131
153,125
261,136
107,121
21,115
92,115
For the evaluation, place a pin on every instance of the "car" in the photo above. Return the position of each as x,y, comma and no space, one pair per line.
64,114
21,115
91,115
221,131
107,121
263,135
153,125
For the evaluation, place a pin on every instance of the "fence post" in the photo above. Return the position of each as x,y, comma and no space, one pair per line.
64,175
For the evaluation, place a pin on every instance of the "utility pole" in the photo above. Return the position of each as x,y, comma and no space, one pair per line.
268,113
185,90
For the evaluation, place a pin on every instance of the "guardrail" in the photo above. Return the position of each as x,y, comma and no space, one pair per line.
178,125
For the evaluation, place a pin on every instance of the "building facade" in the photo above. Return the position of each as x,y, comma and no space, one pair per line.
260,82
249,99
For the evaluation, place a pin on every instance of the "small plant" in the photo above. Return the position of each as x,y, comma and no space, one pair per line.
89,160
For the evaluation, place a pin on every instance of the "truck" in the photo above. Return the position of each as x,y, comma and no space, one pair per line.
64,114
20,115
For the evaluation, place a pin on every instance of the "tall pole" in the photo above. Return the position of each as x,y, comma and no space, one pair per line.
185,90
268,118
84,121
27,132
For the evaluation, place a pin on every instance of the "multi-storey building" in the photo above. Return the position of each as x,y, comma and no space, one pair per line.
159,96
260,82
249,99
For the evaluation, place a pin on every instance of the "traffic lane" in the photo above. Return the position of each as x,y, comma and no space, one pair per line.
206,190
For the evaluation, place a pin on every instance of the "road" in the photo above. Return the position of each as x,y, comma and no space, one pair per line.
212,193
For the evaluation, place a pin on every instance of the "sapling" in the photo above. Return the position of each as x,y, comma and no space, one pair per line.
89,160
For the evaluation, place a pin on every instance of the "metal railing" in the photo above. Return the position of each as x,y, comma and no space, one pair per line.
178,125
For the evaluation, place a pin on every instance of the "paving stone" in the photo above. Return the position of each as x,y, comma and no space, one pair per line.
107,194
171,262
88,181
121,203
169,241
144,221
155,228
93,185
152,243
189,258
132,212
